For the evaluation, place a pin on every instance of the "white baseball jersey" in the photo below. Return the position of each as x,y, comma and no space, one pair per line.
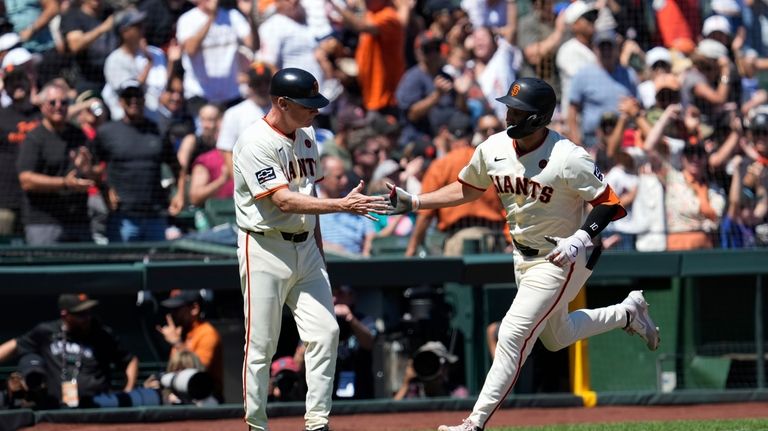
543,190
264,161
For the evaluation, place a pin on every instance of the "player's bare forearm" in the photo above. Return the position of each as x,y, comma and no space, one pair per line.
355,202
451,195
131,373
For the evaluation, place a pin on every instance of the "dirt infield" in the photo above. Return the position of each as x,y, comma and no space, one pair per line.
430,420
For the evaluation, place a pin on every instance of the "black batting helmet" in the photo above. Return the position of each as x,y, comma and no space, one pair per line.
298,86
530,95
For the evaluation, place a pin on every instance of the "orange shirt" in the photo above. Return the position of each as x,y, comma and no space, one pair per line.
444,171
204,341
381,59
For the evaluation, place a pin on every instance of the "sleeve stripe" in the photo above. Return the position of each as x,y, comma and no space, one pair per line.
270,191
608,197
469,185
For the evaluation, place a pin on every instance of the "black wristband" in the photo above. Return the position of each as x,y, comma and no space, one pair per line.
599,218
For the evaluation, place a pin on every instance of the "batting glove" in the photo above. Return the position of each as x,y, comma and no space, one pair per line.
568,249
401,202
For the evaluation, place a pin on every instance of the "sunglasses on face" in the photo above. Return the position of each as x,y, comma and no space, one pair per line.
58,102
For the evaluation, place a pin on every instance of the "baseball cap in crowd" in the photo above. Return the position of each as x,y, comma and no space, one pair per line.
711,49
32,369
130,88
350,117
129,18
427,41
76,302
605,36
17,57
656,55
382,124
179,298
579,9
420,148
283,363
460,125
716,23
258,73
9,41
758,119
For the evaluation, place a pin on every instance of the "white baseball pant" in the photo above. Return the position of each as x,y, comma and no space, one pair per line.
274,272
540,310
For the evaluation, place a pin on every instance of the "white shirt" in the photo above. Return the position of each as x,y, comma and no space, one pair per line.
500,73
287,43
481,14
646,91
543,191
571,57
264,161
212,72
622,182
235,120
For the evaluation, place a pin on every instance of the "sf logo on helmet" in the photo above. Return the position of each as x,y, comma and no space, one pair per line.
515,90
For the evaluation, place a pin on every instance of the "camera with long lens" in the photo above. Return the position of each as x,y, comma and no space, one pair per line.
429,360
189,384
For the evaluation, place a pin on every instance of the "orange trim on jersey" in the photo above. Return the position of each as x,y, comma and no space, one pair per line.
608,197
270,191
521,357
535,147
469,185
291,136
247,322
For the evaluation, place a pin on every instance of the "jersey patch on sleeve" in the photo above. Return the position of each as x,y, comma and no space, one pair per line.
265,175
597,173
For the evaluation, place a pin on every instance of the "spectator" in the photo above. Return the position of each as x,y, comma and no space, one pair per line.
55,172
195,144
349,120
540,34
693,207
706,84
367,152
242,115
576,52
30,21
285,382
210,37
623,179
78,353
173,119
186,330
598,88
501,16
426,96
496,65
88,32
23,60
134,59
162,19
354,361
658,61
380,54
134,151
287,41
343,233
487,125
210,178
16,121
481,220
184,360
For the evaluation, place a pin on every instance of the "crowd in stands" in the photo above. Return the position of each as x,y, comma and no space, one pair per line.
118,118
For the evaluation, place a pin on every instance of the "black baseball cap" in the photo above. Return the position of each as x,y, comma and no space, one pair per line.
76,302
179,298
130,88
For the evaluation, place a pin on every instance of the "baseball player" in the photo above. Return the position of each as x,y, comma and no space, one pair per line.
276,165
543,181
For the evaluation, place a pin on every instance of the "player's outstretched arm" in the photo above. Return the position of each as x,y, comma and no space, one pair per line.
453,194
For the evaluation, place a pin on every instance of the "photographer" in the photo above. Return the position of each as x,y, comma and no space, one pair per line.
354,363
185,381
185,330
427,374
78,353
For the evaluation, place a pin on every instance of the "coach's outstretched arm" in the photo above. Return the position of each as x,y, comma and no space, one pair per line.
355,202
453,194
